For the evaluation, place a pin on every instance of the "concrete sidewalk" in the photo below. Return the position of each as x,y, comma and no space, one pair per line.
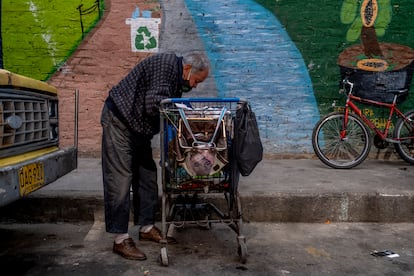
288,190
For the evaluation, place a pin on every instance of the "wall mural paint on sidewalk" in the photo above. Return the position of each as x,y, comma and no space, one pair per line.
253,58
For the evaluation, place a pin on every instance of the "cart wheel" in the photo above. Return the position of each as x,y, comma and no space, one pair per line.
179,227
242,251
164,256
207,225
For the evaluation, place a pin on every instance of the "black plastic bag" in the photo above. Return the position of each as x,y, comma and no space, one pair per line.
248,148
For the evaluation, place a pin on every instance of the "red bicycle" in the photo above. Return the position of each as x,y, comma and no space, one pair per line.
342,140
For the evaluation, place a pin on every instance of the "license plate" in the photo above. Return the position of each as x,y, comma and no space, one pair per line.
31,178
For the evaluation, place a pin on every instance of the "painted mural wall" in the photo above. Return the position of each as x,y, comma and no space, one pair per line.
283,56
286,57
324,30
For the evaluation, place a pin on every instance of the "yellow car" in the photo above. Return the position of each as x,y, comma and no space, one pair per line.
30,156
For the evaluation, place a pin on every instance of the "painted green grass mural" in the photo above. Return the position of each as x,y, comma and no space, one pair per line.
317,30
40,35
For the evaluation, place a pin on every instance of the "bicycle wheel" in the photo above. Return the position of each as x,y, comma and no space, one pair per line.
340,153
403,131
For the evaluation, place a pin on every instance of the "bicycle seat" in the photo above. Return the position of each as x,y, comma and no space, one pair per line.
398,92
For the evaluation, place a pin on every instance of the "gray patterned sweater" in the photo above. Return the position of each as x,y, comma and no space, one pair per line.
137,97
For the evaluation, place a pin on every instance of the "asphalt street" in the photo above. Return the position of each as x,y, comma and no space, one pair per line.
273,249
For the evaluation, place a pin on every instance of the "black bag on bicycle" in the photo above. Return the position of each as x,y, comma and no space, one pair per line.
247,146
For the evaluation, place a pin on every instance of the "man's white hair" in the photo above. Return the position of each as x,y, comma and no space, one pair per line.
198,61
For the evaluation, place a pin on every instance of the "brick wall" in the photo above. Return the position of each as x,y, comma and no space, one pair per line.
102,59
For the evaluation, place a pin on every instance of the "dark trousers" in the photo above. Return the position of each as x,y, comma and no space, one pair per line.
126,160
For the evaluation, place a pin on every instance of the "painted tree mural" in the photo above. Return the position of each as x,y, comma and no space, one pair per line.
367,23
368,20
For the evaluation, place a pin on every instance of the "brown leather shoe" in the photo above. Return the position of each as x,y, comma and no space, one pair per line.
128,250
155,235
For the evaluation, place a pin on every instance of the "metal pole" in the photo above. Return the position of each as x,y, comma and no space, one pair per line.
76,134
80,18
1,42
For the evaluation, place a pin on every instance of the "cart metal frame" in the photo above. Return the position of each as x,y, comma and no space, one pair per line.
181,204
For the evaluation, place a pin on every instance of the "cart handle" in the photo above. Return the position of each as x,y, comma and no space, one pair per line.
201,100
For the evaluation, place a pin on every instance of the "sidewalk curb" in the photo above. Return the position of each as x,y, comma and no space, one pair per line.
275,208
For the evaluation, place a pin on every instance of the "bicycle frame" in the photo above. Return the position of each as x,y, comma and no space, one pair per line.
383,134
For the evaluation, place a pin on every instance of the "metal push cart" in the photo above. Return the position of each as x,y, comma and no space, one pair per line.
197,159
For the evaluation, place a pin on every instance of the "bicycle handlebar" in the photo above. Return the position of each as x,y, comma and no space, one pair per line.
345,82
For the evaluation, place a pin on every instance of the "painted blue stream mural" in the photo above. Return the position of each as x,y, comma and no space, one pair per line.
253,57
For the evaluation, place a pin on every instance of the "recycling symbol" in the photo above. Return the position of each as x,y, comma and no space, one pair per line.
144,40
